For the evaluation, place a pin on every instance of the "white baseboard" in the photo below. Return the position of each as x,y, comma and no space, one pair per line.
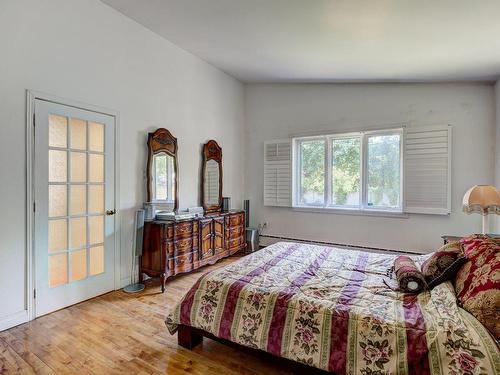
13,320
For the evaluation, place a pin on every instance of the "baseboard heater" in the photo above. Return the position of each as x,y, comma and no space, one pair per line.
347,246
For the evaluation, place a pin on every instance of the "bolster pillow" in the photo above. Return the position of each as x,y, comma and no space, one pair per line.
410,278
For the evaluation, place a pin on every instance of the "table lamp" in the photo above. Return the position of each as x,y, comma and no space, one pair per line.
484,200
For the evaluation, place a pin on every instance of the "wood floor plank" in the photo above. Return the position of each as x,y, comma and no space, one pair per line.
120,333
11,362
21,348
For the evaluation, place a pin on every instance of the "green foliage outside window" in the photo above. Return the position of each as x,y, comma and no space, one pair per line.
312,171
383,171
345,169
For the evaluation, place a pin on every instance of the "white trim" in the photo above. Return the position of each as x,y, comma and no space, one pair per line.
72,103
363,175
31,96
117,216
402,174
349,132
448,203
430,211
328,172
13,320
30,215
352,211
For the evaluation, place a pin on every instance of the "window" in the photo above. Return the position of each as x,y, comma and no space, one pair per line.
360,171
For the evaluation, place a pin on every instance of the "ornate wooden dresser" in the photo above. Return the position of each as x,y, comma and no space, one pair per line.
171,248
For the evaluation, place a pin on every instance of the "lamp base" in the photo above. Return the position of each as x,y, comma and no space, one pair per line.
486,224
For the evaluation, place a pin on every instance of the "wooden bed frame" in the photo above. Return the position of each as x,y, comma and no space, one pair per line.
189,337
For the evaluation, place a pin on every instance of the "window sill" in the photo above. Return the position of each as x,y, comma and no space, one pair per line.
351,211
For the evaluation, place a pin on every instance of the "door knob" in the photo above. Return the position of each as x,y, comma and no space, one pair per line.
110,212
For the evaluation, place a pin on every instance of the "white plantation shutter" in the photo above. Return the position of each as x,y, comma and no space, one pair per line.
427,169
278,173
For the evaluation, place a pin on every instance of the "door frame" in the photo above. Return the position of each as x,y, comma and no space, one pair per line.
31,97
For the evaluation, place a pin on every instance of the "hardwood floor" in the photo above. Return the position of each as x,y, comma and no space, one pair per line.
120,333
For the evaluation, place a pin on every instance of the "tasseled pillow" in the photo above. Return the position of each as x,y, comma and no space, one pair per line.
410,278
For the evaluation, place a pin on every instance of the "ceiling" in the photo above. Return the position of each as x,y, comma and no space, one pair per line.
332,40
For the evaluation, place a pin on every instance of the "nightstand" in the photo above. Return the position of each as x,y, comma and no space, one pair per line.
449,238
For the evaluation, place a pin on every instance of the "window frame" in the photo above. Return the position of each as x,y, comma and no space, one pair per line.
363,170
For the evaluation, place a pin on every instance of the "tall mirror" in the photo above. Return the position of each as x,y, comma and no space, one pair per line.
211,178
162,169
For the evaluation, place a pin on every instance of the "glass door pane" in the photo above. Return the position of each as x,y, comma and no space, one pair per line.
73,225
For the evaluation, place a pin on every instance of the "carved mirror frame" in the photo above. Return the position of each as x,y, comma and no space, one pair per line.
161,140
211,151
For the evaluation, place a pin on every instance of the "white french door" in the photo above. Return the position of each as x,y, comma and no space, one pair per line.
74,205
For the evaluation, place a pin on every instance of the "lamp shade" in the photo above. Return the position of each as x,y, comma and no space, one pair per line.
482,199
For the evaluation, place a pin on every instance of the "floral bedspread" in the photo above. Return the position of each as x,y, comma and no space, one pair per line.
330,308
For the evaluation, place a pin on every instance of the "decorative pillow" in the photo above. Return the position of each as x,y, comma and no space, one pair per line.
441,260
477,283
448,273
409,277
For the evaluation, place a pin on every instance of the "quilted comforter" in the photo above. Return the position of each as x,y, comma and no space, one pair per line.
331,308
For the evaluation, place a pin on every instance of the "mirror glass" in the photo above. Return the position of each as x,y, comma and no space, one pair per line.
161,172
163,178
211,183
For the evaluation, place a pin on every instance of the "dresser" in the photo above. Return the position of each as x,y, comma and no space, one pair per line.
171,248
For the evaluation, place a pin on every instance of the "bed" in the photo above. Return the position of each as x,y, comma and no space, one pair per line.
335,310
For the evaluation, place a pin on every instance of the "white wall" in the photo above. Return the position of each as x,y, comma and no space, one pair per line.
279,110
86,51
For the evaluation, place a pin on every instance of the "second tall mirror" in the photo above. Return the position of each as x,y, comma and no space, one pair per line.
211,177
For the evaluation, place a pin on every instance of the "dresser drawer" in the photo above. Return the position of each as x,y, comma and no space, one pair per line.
235,232
183,263
236,219
182,246
235,242
183,230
